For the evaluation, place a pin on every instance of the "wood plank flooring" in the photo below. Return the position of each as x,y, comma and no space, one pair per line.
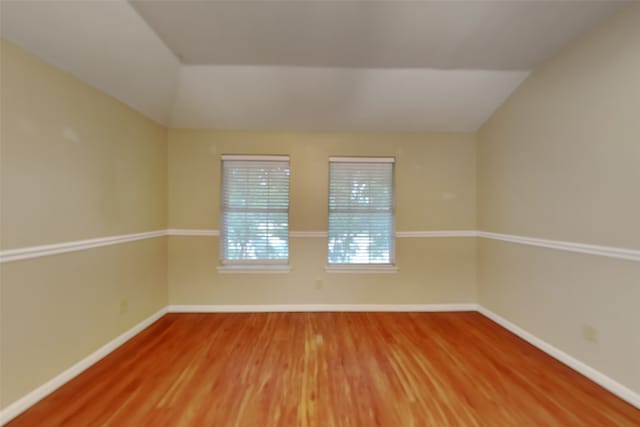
329,369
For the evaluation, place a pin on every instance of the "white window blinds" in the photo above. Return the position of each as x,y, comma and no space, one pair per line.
361,211
255,209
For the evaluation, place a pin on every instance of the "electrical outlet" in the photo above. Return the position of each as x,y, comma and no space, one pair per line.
124,306
589,333
319,283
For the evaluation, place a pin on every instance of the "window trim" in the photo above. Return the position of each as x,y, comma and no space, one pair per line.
258,265
252,157
361,159
361,267
253,268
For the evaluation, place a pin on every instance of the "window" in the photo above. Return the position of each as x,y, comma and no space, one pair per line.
361,211
255,210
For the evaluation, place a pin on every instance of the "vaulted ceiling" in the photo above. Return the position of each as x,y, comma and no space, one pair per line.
304,64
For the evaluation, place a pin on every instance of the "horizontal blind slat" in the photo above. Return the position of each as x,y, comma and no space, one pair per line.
361,212
255,210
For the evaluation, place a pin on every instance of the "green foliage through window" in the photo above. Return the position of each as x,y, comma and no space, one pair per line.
255,210
361,215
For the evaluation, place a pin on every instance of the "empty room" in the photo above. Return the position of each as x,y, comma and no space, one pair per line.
320,213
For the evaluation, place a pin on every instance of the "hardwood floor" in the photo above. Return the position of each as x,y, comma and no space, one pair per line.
329,369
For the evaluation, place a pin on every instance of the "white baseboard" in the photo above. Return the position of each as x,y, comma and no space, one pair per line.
594,375
320,308
25,402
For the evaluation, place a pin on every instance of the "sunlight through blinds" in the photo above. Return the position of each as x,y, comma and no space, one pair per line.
361,211
255,209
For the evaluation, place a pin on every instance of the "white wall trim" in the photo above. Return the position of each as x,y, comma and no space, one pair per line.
254,157
399,234
31,398
191,232
77,245
344,159
437,233
284,308
253,269
308,234
361,269
594,375
607,251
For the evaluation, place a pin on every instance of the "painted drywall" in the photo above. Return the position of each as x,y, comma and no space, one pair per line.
67,306
435,271
75,164
435,190
560,160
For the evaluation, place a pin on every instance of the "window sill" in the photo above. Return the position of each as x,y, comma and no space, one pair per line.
361,269
253,269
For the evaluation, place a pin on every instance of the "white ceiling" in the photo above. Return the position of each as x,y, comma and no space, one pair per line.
303,64
484,35
295,98
104,43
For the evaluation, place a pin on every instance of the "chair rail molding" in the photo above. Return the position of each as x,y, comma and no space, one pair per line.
29,252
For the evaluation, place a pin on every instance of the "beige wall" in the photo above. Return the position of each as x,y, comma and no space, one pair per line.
56,310
75,164
561,160
435,190
430,167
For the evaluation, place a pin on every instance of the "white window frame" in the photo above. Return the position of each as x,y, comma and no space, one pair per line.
368,268
250,266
